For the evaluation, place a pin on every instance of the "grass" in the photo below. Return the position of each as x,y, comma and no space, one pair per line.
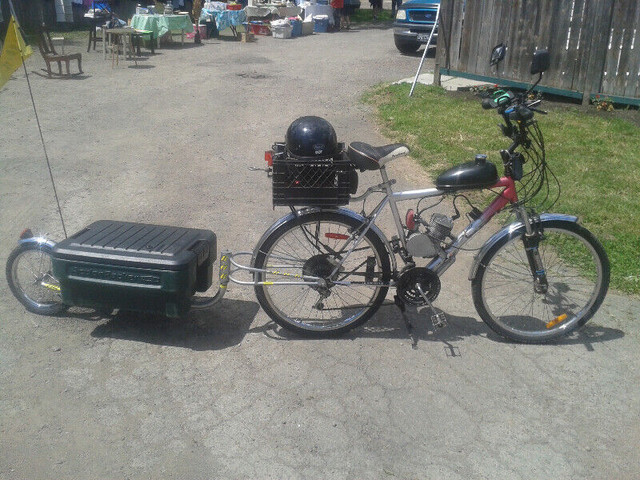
365,15
593,154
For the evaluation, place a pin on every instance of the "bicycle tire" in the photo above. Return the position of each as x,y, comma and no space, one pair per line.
30,279
310,316
577,270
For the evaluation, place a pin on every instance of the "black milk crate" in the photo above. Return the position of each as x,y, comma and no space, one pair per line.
312,182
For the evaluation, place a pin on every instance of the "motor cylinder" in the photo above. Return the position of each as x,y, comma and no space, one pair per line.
440,227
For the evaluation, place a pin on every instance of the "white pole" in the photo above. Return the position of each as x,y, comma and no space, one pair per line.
426,49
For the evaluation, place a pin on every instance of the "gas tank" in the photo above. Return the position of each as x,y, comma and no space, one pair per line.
470,175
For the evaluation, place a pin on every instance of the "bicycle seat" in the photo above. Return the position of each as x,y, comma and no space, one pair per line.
367,157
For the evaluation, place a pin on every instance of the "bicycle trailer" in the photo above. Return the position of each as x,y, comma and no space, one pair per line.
134,266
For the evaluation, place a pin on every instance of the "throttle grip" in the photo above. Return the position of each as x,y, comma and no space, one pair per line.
520,113
487,104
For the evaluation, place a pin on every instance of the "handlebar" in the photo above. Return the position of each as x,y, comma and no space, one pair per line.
507,103
513,108
517,112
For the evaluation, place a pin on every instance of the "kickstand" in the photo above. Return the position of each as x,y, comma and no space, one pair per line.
403,309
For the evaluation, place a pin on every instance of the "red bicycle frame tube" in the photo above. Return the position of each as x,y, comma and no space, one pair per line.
507,196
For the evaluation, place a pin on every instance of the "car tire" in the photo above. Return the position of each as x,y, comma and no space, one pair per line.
406,46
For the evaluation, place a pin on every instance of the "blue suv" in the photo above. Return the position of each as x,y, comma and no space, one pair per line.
413,24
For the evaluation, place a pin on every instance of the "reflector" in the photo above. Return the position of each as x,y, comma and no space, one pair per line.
337,236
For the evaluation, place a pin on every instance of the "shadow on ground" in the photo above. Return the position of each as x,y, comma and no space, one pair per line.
389,323
221,326
227,323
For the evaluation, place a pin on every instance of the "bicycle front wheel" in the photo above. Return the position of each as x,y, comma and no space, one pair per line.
31,281
313,245
577,272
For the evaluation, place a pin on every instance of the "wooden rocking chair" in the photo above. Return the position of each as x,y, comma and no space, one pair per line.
50,55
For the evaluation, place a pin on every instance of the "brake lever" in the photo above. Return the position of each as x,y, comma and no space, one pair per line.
532,105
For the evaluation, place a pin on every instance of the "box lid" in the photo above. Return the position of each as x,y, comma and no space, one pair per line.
137,244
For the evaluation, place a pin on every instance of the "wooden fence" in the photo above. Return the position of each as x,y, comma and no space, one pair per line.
594,44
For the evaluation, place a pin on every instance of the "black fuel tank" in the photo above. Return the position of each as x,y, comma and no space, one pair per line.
470,175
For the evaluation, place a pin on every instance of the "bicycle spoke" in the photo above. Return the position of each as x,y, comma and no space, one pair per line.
316,248
516,305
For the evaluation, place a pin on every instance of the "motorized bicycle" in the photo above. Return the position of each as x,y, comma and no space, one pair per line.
324,269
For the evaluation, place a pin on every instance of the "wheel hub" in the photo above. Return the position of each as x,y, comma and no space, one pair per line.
318,266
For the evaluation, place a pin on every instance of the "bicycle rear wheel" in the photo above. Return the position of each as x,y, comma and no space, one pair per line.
577,272
31,281
313,244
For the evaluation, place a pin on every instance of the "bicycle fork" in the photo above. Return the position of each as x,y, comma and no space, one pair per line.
531,241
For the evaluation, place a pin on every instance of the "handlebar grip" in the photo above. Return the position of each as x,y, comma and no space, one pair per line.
521,113
538,110
488,104
505,99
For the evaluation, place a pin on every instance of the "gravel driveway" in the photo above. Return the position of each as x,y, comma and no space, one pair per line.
225,394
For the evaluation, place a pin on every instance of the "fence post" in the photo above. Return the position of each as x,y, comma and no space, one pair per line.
444,39
599,20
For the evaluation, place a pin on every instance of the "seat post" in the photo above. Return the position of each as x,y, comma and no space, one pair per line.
393,205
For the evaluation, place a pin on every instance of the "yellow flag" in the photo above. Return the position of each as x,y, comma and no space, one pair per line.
13,52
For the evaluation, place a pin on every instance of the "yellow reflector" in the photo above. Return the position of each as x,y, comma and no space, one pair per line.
50,286
557,320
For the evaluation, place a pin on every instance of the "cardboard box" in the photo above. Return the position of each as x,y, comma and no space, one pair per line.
307,28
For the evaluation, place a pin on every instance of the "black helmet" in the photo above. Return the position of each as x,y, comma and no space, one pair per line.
311,137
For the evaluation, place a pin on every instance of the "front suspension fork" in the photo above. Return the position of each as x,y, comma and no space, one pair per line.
531,241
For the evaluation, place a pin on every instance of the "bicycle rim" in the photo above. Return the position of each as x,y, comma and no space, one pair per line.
577,275
33,283
313,246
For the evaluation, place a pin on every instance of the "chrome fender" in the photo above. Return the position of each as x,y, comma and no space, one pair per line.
306,211
42,242
510,230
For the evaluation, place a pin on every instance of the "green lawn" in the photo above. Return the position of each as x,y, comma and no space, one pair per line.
595,155
365,15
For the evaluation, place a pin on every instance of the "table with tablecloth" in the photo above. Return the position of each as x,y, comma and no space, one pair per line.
162,24
224,18
272,10
312,10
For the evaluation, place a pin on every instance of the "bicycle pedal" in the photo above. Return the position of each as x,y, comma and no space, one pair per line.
439,320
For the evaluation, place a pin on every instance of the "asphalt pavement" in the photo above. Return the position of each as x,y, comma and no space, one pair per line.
224,393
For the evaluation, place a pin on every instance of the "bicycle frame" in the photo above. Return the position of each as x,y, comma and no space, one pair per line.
439,265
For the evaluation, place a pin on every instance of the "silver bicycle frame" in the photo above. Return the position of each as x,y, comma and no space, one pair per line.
439,264
442,262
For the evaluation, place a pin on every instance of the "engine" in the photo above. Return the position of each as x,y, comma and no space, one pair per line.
428,244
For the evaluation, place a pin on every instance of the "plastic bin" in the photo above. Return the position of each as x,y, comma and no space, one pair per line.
281,31
296,25
259,28
135,266
320,23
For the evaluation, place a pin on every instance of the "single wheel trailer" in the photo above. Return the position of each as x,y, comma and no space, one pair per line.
132,266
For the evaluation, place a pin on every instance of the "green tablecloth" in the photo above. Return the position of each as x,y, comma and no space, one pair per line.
161,24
